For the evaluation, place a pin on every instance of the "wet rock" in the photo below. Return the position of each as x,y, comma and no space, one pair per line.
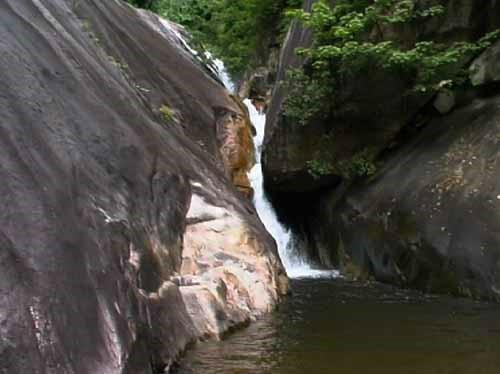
234,133
117,147
429,219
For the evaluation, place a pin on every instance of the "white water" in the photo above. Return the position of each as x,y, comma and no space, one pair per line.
295,266
175,33
223,75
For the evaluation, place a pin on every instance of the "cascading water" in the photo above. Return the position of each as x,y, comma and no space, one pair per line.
296,266
223,75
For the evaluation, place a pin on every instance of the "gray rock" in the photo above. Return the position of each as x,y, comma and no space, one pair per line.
486,68
444,101
429,218
96,184
372,108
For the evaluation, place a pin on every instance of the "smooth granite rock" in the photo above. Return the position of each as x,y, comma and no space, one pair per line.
116,148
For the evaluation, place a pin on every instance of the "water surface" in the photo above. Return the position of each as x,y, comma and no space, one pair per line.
332,326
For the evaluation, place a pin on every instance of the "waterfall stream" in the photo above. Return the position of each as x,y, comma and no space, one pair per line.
295,265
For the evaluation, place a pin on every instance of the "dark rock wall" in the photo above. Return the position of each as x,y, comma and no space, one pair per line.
284,151
371,107
95,184
429,217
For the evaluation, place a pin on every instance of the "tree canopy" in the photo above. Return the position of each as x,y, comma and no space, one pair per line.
233,30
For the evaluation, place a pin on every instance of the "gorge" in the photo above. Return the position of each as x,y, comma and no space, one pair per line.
297,264
395,186
157,217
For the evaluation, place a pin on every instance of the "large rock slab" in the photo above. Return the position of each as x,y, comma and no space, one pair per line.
110,132
431,218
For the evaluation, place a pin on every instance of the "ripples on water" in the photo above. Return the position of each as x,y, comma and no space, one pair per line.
332,326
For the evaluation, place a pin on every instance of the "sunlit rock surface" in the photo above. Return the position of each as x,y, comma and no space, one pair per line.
122,239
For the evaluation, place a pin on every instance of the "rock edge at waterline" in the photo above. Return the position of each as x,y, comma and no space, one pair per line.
122,238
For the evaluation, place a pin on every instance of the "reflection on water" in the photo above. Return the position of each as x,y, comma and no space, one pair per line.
331,326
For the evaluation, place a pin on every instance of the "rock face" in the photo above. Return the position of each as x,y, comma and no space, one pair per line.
486,68
361,121
234,135
286,149
122,238
429,217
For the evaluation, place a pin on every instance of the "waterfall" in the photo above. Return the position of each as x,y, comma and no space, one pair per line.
223,75
295,265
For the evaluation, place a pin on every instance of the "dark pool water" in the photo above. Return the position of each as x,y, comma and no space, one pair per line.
332,326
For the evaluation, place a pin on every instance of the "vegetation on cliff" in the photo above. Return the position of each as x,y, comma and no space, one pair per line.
350,39
236,31
360,36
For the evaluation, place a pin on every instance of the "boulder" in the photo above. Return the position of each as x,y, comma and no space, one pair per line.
486,68
430,218
117,156
444,101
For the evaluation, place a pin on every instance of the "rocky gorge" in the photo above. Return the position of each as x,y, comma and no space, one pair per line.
428,217
135,224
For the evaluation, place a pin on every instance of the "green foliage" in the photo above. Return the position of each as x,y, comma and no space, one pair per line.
350,37
360,165
119,64
167,113
319,167
195,15
233,30
306,95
